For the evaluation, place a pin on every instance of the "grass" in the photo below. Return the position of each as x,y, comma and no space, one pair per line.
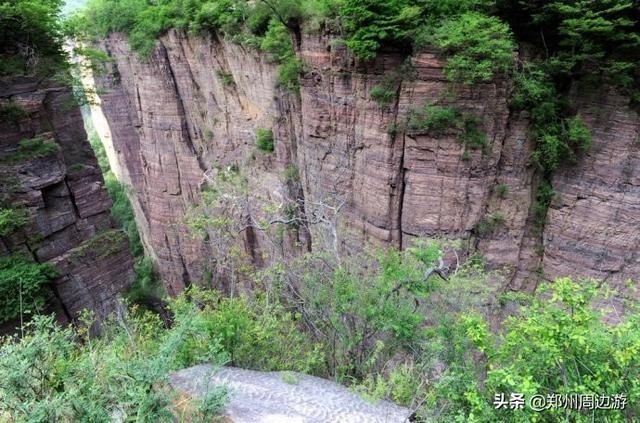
101,245
29,149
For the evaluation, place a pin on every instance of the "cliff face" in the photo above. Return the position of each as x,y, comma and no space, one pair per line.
364,179
70,226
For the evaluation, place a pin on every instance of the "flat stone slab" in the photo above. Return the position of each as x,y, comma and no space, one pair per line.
265,397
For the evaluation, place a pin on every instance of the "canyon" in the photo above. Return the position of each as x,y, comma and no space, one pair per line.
172,118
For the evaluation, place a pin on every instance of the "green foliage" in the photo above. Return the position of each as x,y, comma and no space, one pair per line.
544,196
292,174
502,190
472,134
22,286
558,343
264,140
288,73
437,120
31,37
208,134
372,24
226,78
101,245
478,47
212,405
48,375
383,95
253,333
434,119
12,219
75,168
582,37
559,138
363,310
386,91
402,385
11,112
488,225
30,149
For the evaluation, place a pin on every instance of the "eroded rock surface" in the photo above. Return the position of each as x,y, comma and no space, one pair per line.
264,397
71,225
174,118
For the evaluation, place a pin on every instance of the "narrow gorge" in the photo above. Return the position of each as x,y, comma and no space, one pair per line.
319,211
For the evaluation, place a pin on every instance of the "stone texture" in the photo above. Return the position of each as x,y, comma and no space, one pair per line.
264,397
593,225
68,208
390,186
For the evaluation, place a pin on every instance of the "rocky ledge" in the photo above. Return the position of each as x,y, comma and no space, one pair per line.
285,397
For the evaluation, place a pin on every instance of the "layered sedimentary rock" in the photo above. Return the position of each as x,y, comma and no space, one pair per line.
365,178
593,226
69,224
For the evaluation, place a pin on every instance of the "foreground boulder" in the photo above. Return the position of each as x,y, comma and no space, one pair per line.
285,397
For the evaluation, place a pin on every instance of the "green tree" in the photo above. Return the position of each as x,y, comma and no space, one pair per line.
558,344
478,47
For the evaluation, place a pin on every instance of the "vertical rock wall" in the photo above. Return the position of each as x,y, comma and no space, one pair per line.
364,178
64,192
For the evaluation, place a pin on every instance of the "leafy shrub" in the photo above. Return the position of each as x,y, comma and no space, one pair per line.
49,376
292,174
502,190
363,310
594,39
226,78
12,219
383,95
557,343
558,138
208,134
32,148
402,385
264,140
277,41
288,73
252,333
478,46
75,168
472,134
434,119
490,224
386,91
22,286
544,196
31,37
11,112
372,24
